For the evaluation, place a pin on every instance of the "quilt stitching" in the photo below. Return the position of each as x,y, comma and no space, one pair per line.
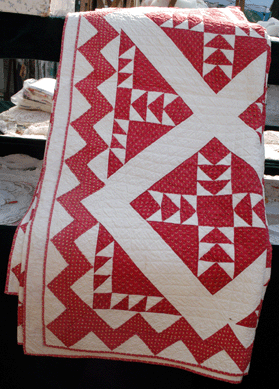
129,226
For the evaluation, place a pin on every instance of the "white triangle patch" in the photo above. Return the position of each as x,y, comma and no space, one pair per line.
104,127
122,139
179,352
203,266
115,318
129,68
134,346
136,94
169,98
228,268
108,89
151,118
199,27
87,243
90,342
202,160
157,196
124,124
105,287
128,83
152,96
156,217
108,251
152,301
208,51
168,24
166,120
183,26
116,298
163,323
106,269
129,54
203,231
134,299
86,31
256,221
83,287
227,69
120,154
175,218
110,52
207,67
99,165
134,115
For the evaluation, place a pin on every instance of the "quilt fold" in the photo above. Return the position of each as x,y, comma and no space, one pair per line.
147,238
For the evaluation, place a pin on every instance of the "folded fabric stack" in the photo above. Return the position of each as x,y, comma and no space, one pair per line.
19,175
147,239
31,114
36,94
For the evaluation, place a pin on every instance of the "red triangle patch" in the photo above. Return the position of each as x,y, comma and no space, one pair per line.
216,79
99,280
175,182
218,58
123,62
216,254
127,277
24,227
123,305
190,43
99,262
253,116
253,47
250,321
178,111
186,244
259,209
122,77
244,210
164,306
140,306
125,43
142,135
145,205
186,210
214,278
115,144
140,105
159,19
215,171
241,169
156,107
219,42
154,82
117,129
214,151
104,239
215,236
114,164
168,208
194,20
214,186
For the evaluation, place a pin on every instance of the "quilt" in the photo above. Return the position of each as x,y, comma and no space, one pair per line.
146,239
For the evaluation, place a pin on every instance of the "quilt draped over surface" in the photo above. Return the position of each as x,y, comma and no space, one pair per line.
146,239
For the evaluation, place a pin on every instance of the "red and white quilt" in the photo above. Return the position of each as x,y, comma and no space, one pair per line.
147,239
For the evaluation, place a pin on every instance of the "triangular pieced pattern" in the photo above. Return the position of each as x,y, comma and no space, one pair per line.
205,211
141,106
